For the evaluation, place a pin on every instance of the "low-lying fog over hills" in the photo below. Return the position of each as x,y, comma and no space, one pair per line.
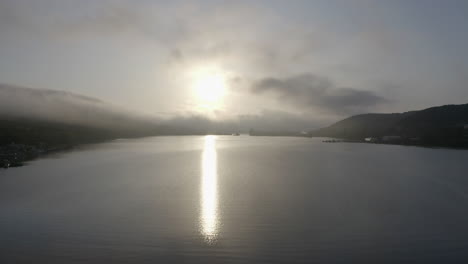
31,116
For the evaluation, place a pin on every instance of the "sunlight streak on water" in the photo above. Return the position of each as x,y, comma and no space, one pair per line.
209,191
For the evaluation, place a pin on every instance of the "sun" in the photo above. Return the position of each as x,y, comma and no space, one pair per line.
209,87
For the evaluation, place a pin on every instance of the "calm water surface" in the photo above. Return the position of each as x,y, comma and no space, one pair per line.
237,200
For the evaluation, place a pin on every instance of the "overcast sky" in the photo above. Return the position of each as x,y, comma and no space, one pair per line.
317,60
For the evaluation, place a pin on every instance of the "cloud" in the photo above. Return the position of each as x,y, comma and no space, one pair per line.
74,109
317,92
65,107
188,30
236,37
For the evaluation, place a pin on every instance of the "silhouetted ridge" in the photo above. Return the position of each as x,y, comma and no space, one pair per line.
440,126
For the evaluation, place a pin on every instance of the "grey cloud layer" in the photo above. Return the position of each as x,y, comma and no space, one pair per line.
70,108
311,91
249,39
188,30
63,107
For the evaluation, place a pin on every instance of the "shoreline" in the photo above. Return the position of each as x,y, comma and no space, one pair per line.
16,155
433,146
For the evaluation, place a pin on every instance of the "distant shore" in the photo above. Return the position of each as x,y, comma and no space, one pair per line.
397,143
16,155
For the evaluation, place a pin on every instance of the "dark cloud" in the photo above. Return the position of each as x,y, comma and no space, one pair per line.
317,92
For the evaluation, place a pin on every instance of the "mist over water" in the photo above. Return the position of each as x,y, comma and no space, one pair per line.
240,199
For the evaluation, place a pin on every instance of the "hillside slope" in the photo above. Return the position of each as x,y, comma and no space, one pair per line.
441,126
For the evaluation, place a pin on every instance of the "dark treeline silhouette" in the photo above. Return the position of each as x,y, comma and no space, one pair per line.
436,126
37,121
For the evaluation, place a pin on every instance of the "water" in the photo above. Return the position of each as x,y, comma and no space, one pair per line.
237,200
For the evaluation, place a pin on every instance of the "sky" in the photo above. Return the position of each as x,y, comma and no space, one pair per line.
313,61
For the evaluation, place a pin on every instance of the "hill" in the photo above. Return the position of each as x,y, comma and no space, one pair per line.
36,121
436,126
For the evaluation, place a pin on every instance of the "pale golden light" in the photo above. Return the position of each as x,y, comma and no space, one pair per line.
209,191
209,85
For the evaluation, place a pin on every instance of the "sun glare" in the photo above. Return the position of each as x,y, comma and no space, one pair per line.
209,191
209,86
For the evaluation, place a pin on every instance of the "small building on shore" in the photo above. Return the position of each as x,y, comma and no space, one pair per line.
391,138
465,133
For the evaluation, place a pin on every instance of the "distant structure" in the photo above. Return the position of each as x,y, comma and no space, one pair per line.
465,133
391,138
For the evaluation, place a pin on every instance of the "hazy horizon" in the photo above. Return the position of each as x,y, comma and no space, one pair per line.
300,64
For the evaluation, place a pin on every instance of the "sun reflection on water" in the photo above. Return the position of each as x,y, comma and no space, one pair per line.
209,191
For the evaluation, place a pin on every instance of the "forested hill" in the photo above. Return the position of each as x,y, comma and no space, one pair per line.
35,116
440,126
36,121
